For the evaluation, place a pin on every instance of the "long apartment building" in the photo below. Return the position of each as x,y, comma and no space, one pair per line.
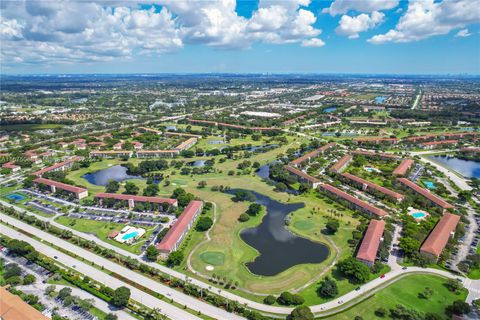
157,153
367,252
378,140
187,144
61,166
131,199
438,238
180,134
435,200
112,154
370,154
304,177
372,187
79,193
403,167
439,144
355,203
341,164
173,238
150,130
313,154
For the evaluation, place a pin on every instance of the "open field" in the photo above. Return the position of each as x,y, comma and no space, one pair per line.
30,127
406,292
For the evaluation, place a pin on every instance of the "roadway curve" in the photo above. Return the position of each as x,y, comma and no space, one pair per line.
352,297
138,295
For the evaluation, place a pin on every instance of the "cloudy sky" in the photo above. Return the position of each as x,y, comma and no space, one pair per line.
339,36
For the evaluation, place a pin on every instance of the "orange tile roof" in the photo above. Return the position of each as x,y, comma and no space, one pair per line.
12,307
403,167
119,196
437,200
374,186
313,153
60,185
301,174
57,165
368,207
340,163
438,238
175,233
371,241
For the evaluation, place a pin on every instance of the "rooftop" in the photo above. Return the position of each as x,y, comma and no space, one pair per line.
403,167
119,196
377,211
313,154
176,231
424,192
60,185
372,185
57,165
371,241
438,238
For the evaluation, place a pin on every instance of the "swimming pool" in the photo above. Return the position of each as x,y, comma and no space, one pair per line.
418,215
429,184
130,235
15,196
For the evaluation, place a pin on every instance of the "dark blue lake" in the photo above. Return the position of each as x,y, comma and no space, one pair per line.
279,248
101,177
468,168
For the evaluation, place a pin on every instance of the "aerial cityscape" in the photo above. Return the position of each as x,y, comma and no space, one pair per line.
231,159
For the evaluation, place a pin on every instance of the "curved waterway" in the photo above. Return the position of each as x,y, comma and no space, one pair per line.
279,249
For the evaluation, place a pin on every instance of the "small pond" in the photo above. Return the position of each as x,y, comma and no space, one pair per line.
380,99
101,177
279,248
197,163
216,142
330,110
171,128
468,168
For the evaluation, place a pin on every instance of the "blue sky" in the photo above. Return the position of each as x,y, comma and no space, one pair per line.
294,36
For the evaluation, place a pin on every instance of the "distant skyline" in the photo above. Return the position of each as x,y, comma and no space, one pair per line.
290,36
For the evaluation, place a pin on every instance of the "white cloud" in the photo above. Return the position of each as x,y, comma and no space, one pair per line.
352,26
343,6
314,42
463,33
426,18
75,31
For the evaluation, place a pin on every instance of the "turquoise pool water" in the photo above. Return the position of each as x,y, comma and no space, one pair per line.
369,169
130,235
418,215
15,196
429,184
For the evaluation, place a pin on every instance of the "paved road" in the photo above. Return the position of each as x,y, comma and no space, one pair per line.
137,295
459,181
472,285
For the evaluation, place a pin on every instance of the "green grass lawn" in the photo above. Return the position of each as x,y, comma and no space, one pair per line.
474,274
226,244
102,229
405,292
30,127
